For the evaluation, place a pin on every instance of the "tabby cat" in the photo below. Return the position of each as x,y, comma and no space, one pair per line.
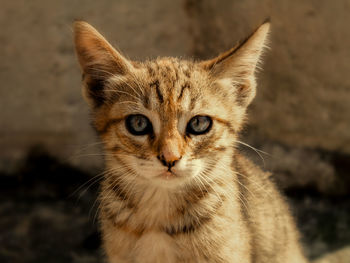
176,189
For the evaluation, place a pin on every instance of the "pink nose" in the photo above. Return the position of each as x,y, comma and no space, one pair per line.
170,154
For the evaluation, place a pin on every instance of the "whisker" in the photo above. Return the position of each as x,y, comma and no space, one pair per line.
129,85
129,186
122,92
260,187
94,180
256,150
93,72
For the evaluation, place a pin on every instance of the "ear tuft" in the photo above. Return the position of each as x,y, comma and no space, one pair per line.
98,60
95,53
240,63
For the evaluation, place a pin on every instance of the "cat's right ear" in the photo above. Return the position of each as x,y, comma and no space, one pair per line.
236,68
98,61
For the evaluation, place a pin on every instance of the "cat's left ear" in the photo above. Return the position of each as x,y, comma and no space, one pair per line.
98,61
236,67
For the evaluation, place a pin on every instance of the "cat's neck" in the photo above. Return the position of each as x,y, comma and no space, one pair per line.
153,205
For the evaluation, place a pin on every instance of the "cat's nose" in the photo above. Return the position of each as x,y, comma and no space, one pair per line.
169,155
168,162
170,148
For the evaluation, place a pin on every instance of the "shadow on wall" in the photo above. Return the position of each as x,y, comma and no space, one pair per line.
303,90
49,204
300,116
48,213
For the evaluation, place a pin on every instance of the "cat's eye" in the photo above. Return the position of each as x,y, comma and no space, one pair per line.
199,125
138,124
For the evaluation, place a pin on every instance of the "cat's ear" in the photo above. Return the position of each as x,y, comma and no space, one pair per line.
98,61
237,66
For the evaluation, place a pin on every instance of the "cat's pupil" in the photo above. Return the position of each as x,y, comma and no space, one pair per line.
199,125
138,124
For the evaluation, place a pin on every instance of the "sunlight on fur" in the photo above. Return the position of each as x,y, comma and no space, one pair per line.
175,188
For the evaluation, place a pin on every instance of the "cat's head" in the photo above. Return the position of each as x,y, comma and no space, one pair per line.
167,120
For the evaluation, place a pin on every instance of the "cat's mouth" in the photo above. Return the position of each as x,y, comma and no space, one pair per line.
168,175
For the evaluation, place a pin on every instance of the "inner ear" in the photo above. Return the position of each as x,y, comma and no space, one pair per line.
238,65
96,54
98,60
93,91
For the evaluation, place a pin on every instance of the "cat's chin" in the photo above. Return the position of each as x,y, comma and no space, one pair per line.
168,175
169,179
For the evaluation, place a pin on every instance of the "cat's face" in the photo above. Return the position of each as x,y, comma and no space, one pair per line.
167,121
173,122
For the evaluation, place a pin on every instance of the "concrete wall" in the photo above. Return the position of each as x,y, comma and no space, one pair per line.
303,96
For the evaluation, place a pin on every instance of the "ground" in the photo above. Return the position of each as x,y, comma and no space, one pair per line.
46,217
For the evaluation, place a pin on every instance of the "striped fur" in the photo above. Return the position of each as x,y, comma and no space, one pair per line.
214,205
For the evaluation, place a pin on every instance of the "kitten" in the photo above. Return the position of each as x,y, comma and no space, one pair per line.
176,189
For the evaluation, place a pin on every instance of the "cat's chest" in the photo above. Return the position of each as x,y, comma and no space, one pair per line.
155,247
155,208
148,223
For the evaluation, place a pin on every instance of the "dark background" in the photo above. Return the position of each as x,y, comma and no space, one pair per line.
300,117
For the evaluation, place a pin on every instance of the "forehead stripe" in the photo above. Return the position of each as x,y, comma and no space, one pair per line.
184,86
159,94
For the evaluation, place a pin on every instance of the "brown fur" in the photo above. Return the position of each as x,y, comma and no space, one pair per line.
213,205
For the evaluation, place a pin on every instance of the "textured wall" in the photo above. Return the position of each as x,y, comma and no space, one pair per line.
41,102
303,93
301,115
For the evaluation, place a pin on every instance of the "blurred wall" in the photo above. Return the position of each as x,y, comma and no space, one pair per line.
303,93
